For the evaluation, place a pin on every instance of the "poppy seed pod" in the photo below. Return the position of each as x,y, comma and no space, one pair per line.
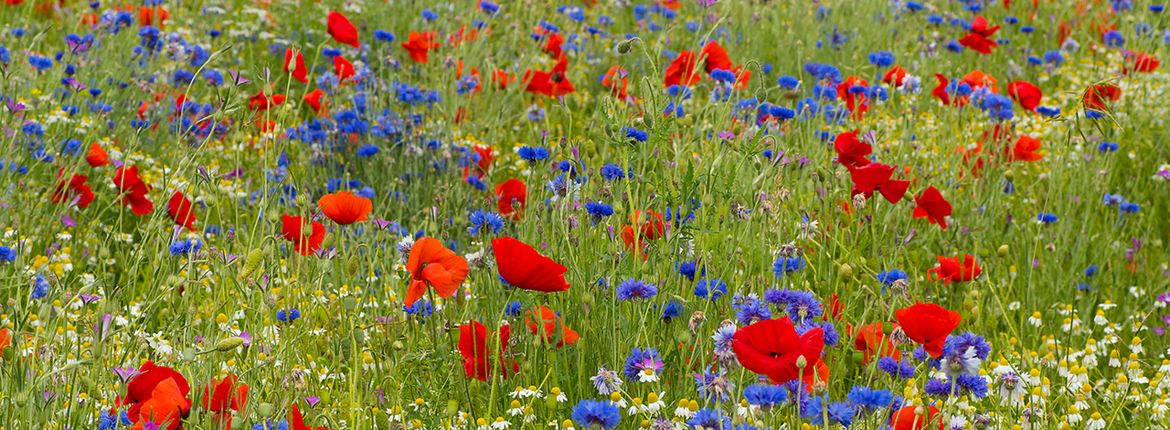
229,343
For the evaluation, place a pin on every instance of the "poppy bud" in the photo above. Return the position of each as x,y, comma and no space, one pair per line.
1003,250
845,271
452,407
624,46
189,354
587,298
397,345
351,265
229,343
1009,175
801,362
550,402
265,409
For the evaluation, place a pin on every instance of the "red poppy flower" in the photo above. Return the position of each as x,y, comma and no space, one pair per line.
551,327
616,80
851,151
552,45
940,92
877,177
978,79
671,4
857,103
344,207
525,268
313,99
293,230
681,70
158,394
932,206
76,189
261,102
501,78
342,68
133,190
872,341
1096,96
1026,93
432,264
5,339
181,210
1140,62
474,346
511,198
651,227
929,325
294,64
950,270
916,418
553,83
979,38
485,154
1026,149
419,44
296,421
97,157
715,57
895,76
772,348
225,397
342,30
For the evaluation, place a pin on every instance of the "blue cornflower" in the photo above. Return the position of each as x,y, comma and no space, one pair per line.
881,58
635,134
40,287
368,150
7,254
429,15
765,395
596,414
271,425
1054,57
749,309
643,365
889,277
1048,111
488,7
866,398
788,82
481,219
711,289
186,246
714,386
1108,147
1113,39
383,36
598,210
897,368
635,289
710,419
722,75
514,308
1129,207
612,171
690,268
40,63
287,316
673,309
1046,218
964,353
421,309
533,154
786,265
722,341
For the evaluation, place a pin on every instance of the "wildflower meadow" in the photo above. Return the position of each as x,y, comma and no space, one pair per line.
607,214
